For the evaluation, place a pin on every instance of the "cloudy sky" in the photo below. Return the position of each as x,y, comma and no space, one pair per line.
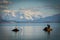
28,9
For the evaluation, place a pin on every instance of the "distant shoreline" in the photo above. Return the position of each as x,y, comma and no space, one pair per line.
29,22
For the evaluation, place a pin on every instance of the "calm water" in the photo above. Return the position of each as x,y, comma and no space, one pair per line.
30,31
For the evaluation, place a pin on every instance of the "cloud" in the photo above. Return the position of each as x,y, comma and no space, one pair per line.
14,13
11,12
28,17
21,17
36,11
5,2
6,11
2,6
30,13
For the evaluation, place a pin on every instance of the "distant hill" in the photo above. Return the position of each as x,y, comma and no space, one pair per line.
54,18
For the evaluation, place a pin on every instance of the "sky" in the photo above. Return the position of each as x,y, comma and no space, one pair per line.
21,10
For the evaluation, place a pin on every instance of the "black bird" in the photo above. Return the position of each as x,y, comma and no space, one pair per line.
47,29
15,30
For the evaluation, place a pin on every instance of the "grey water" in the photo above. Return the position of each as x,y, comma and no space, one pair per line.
30,31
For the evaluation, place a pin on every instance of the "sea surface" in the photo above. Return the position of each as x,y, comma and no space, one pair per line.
29,31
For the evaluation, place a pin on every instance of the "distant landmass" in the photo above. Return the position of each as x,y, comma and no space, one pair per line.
49,19
54,18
